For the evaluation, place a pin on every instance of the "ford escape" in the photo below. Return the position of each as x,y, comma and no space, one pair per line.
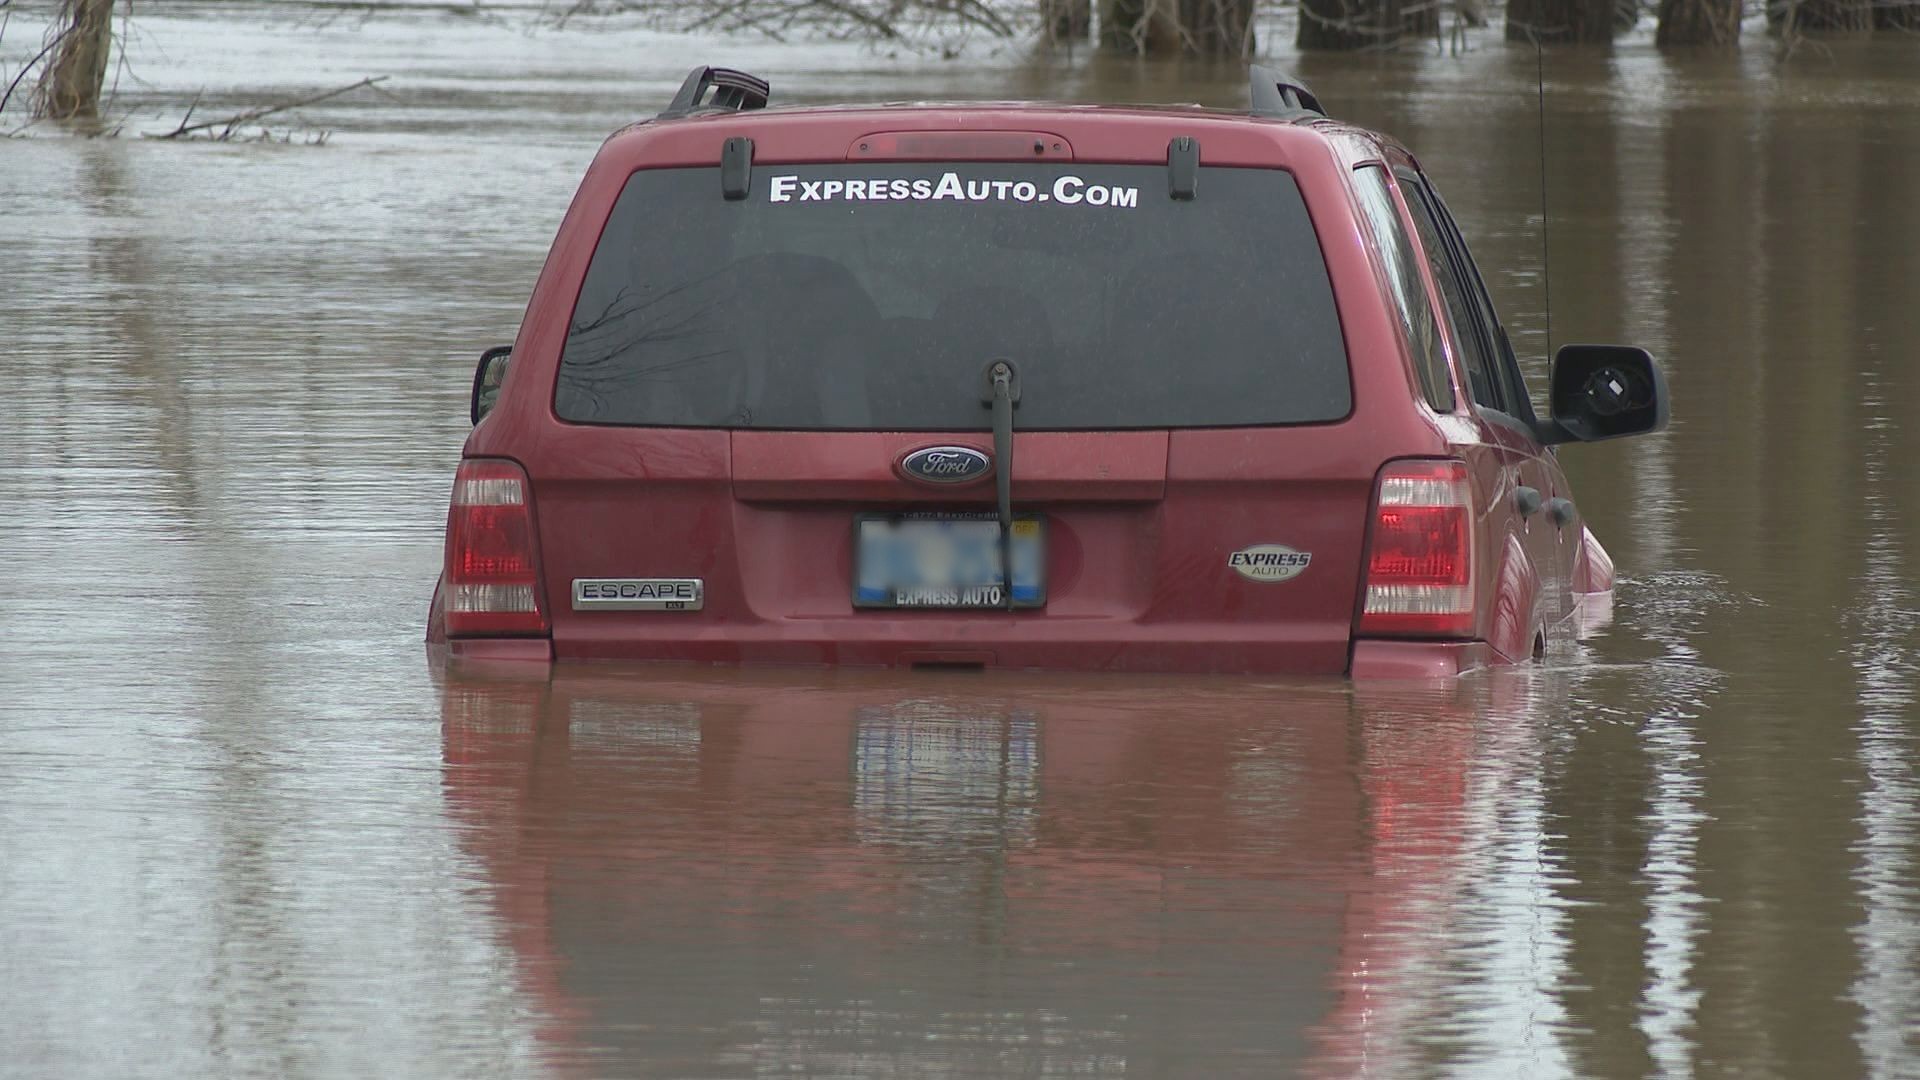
1025,386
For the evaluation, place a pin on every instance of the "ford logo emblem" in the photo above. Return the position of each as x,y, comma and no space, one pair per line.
946,465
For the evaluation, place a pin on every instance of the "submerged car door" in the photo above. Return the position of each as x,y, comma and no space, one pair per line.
1500,401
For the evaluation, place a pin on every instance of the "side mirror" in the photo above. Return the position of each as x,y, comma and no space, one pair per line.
1604,392
487,379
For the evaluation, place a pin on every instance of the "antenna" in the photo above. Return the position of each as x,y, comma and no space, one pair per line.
1546,263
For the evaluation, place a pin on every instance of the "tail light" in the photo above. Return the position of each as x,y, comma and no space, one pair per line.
1420,557
492,578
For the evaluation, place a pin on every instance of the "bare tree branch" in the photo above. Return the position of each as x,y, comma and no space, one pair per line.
879,20
41,55
229,123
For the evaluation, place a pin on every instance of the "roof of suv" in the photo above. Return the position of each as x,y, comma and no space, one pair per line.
1284,118
1010,105
710,89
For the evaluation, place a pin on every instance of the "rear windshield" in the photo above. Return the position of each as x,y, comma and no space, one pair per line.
873,297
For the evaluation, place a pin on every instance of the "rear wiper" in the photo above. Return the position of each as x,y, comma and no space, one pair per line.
1003,396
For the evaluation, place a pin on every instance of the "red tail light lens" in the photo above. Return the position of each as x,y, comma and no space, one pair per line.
492,578
1420,560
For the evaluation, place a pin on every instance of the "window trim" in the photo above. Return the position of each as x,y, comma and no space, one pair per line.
1449,259
1507,364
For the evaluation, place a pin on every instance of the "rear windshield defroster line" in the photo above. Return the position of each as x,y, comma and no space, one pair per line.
871,297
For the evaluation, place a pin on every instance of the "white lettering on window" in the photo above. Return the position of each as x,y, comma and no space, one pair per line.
1066,190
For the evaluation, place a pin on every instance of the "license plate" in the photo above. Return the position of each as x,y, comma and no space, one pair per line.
936,560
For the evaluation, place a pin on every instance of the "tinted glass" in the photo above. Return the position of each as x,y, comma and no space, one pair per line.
1409,292
1463,318
873,297
1514,384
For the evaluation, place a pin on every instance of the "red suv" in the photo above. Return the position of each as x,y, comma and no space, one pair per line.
1027,386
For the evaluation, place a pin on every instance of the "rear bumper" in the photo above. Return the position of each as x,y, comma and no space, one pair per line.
1419,659
501,650
1368,660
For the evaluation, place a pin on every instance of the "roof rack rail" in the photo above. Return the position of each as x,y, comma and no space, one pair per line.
1276,93
733,91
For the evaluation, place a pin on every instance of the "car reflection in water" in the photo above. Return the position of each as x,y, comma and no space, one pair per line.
705,874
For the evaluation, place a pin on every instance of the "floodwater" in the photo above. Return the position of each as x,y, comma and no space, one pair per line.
245,828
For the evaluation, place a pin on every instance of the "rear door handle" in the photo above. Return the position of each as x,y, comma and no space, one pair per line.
1526,500
1561,510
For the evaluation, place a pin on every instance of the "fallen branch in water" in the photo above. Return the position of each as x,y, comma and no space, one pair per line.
228,124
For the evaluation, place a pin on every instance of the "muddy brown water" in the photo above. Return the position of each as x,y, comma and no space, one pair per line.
244,828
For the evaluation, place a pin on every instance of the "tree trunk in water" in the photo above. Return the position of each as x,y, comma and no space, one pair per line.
1897,16
1698,22
1560,21
1066,20
70,84
1835,16
1347,25
1132,26
1420,18
1792,17
1218,27
1163,27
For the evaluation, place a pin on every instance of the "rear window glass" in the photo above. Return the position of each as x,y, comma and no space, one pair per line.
873,297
